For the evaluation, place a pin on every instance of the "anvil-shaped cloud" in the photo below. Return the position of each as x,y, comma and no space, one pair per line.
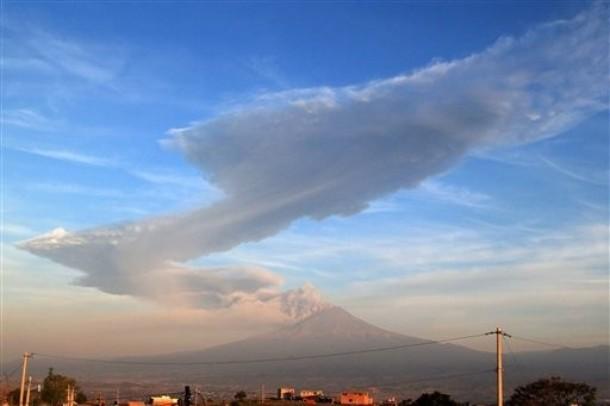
330,151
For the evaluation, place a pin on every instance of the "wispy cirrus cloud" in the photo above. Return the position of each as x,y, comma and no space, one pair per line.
18,230
594,179
455,194
267,69
320,152
75,59
156,176
433,190
32,49
164,177
70,156
27,118
75,189
551,272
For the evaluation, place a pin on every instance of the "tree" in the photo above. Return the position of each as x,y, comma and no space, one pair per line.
55,388
553,391
241,395
80,397
13,397
432,399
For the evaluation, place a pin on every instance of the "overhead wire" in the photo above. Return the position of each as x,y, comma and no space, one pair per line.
7,376
10,374
431,378
513,356
377,385
545,343
325,355
259,360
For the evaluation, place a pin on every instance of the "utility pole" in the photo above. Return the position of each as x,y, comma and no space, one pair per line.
499,367
197,396
188,398
26,357
27,396
262,393
204,402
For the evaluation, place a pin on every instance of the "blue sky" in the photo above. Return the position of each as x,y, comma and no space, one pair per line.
105,105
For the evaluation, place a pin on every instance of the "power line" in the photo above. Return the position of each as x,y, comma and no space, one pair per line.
260,360
7,376
381,385
530,340
432,378
515,359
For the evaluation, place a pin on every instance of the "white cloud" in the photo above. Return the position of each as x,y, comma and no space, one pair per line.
455,194
16,230
331,151
27,118
267,69
156,176
76,59
70,156
537,283
72,189
594,179
164,177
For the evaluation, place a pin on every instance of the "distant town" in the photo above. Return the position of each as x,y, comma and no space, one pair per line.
60,390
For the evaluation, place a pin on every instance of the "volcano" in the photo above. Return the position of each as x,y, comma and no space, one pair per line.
331,350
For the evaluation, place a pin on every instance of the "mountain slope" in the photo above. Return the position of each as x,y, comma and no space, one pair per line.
330,330
418,366
406,371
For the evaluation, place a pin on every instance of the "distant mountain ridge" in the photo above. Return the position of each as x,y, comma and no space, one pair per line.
333,329
466,373
329,330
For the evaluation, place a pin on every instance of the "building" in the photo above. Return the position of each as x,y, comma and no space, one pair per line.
389,402
306,393
162,400
356,398
285,393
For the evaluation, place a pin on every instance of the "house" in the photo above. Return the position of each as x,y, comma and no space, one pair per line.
389,402
356,398
284,393
306,393
162,400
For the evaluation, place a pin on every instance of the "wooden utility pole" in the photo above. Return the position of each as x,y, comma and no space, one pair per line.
262,394
499,366
27,396
26,357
